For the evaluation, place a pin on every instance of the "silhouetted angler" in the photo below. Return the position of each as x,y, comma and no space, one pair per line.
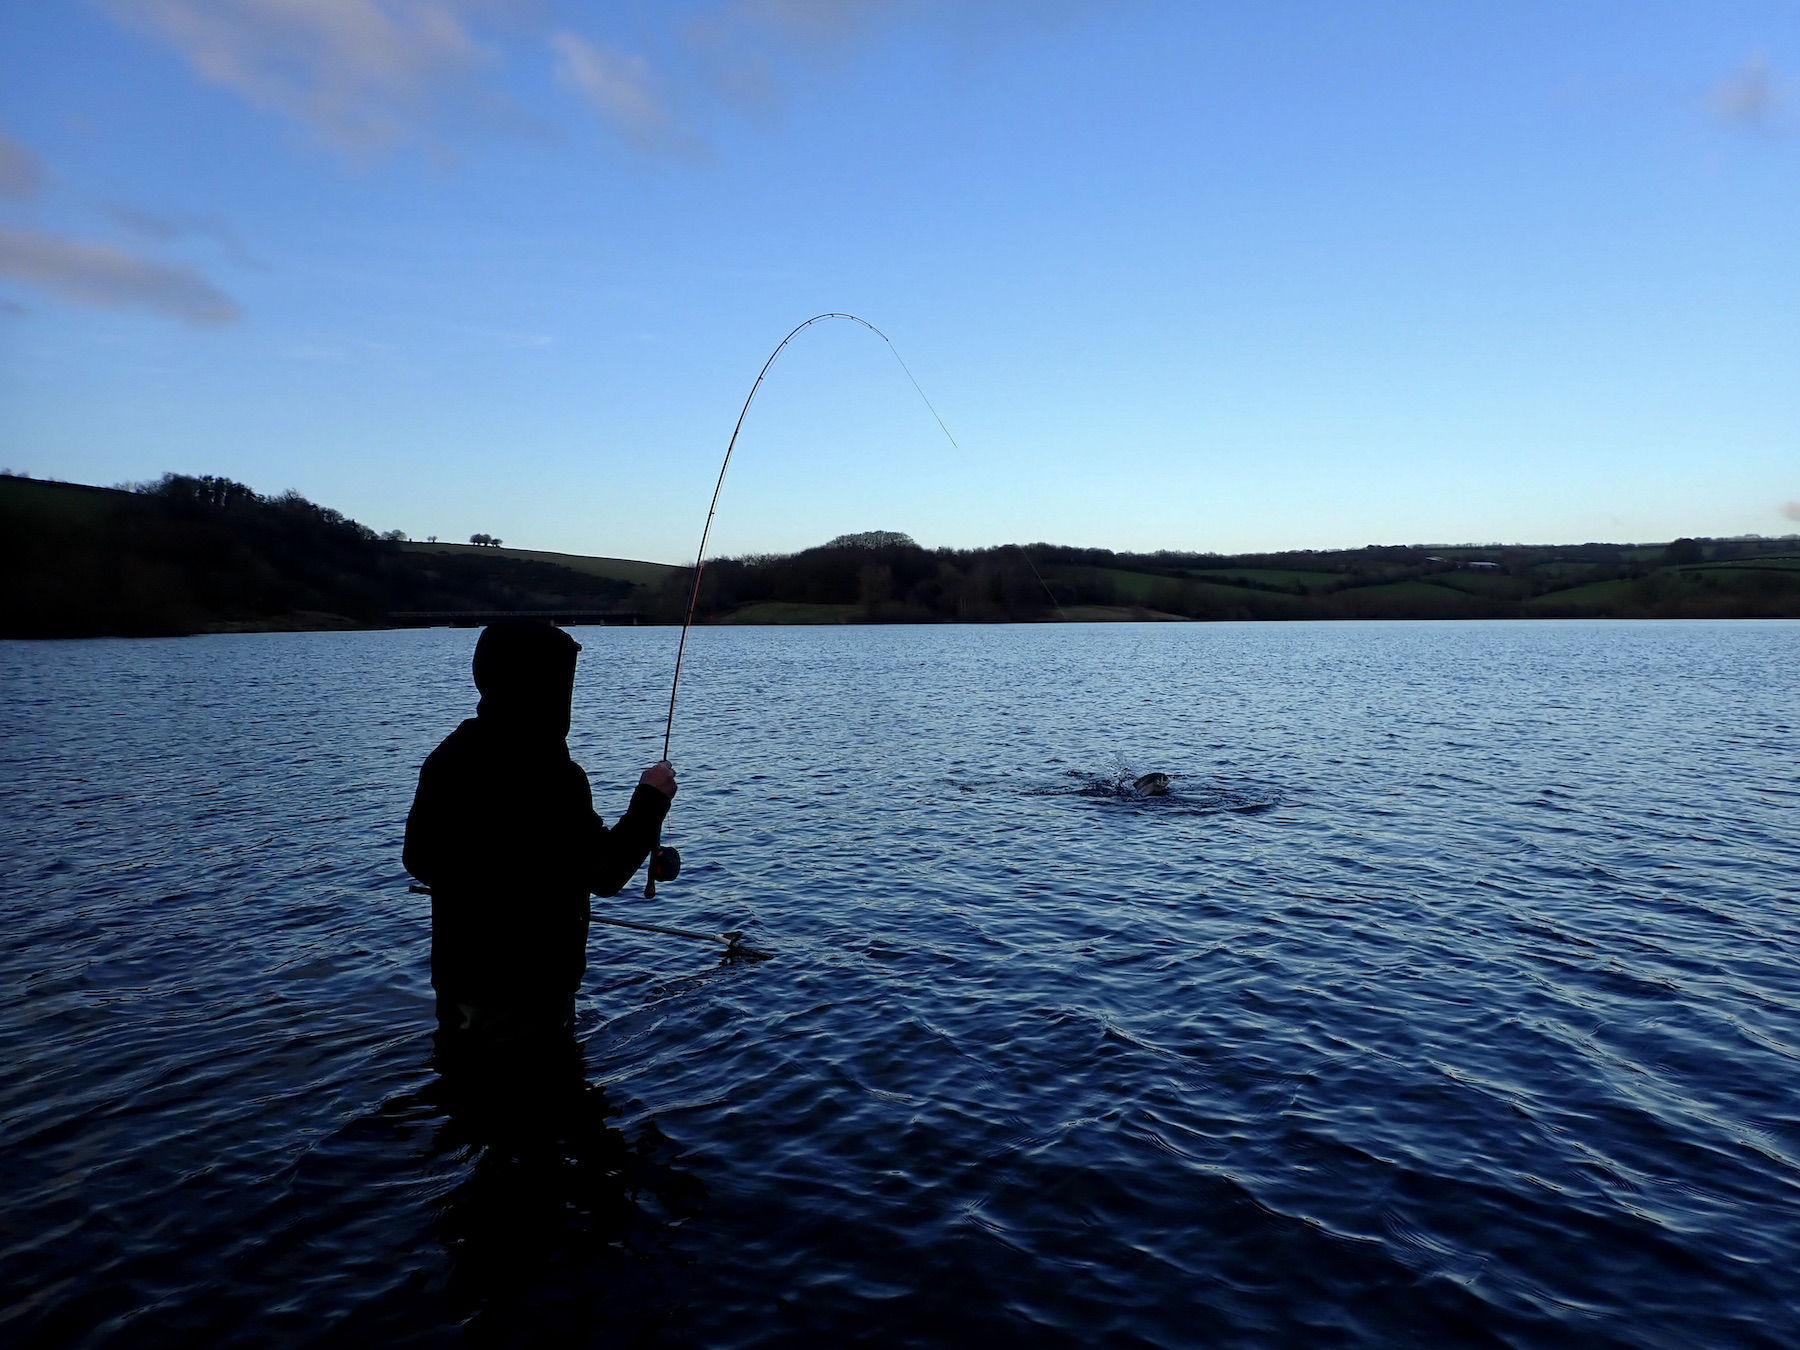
503,830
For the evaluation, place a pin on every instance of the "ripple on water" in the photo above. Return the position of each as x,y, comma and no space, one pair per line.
1449,996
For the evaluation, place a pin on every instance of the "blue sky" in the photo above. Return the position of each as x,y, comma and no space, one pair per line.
1195,276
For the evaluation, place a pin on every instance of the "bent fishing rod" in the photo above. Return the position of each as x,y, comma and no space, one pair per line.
665,863
732,941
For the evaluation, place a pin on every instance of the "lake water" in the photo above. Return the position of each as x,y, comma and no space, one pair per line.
1450,998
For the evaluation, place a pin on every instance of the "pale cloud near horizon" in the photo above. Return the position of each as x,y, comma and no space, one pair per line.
110,278
1752,98
1791,510
22,174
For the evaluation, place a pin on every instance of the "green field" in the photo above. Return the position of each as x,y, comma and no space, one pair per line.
1270,576
1244,601
779,611
612,569
64,503
1487,585
1130,585
1773,563
1410,598
1562,571
1595,597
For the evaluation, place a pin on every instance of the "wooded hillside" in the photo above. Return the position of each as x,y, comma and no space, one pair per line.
190,555
904,583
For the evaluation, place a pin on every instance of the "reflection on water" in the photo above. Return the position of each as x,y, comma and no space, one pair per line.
561,1226
1450,996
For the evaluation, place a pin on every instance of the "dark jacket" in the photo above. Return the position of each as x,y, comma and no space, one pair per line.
503,830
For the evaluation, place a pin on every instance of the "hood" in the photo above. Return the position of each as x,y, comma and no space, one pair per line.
525,671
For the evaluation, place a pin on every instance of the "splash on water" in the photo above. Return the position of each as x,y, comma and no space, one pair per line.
1188,794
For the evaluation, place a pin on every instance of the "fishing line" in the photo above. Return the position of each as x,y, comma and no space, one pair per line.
1041,581
700,557
658,871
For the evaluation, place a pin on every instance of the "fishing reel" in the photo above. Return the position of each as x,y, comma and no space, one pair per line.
665,865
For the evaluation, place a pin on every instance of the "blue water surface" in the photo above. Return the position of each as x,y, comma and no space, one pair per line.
1449,998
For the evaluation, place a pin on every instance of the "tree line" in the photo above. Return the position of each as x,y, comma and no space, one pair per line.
886,577
190,553
185,554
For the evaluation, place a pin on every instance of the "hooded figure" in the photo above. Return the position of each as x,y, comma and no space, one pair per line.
503,830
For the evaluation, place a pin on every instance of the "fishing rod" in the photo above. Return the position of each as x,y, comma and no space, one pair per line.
665,863
733,940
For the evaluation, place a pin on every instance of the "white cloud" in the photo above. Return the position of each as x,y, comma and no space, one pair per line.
111,278
21,172
619,86
366,75
363,74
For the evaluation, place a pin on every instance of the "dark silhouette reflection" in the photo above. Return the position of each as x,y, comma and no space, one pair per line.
563,1232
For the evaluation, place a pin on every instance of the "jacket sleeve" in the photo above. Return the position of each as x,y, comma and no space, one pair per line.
430,830
483,828
614,855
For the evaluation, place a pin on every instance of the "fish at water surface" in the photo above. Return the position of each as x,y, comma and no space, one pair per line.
1151,785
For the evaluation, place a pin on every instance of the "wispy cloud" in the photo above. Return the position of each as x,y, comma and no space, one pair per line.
1791,510
86,273
1752,98
363,74
158,228
840,23
619,86
22,174
367,75
111,278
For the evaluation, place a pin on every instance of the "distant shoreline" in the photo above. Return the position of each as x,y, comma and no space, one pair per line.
206,555
329,624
